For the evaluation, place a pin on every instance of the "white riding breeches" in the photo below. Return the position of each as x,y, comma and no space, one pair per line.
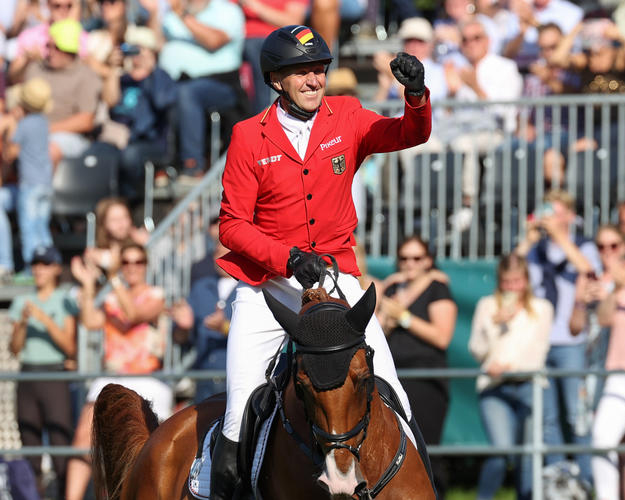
255,336
608,430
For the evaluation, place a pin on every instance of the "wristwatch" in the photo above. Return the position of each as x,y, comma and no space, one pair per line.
405,319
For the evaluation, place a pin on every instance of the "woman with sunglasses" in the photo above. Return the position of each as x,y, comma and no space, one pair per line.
510,333
593,312
590,289
132,345
418,315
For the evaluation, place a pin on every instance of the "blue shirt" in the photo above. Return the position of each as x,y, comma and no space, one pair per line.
183,54
34,165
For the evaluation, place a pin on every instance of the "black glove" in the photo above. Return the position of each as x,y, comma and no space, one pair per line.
307,267
409,72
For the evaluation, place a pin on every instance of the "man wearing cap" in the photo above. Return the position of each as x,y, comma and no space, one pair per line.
287,200
75,91
139,96
25,132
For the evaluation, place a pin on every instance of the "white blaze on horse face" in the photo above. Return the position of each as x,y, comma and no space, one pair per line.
337,482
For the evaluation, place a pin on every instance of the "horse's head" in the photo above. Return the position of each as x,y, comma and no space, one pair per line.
334,378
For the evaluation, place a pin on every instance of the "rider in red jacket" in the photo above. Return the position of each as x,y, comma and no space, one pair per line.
287,199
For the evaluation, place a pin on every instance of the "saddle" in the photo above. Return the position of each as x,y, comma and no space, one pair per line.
260,407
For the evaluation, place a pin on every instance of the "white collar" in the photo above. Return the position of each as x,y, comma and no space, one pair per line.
291,124
296,130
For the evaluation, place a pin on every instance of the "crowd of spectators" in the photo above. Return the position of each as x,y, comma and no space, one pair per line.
557,305
504,51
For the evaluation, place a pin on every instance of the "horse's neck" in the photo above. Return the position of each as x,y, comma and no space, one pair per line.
382,429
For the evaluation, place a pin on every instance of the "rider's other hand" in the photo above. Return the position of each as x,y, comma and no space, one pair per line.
307,267
410,73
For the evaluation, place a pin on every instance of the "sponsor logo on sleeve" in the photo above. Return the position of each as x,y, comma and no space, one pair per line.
269,159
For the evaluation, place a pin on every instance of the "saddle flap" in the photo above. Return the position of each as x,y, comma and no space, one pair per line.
259,408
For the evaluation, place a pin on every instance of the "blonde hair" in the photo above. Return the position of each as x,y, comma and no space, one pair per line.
514,262
561,196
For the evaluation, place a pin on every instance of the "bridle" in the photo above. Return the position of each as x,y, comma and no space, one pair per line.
318,435
339,441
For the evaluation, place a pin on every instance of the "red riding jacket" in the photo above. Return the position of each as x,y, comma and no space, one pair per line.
272,200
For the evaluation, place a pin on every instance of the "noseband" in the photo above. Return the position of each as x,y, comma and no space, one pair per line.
338,441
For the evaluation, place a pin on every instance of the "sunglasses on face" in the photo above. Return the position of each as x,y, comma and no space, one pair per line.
606,246
141,262
414,258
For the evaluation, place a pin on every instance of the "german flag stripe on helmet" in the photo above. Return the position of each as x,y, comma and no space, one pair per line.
304,36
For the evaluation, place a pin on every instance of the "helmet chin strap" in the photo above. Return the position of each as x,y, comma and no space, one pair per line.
295,110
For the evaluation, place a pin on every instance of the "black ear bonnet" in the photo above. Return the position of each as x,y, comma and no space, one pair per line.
328,334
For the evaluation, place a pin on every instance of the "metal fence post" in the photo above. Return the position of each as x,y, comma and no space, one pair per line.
537,436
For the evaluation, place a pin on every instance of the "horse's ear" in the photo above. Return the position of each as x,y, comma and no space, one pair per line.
287,318
359,315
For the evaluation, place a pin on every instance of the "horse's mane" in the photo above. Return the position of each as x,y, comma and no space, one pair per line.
122,423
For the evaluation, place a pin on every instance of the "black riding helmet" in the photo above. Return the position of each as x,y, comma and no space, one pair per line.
289,46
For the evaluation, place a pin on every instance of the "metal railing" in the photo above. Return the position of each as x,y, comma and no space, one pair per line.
419,194
537,448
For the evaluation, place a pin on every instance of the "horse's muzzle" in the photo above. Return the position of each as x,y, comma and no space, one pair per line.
339,483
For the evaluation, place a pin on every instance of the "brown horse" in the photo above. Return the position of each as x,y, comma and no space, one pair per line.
336,439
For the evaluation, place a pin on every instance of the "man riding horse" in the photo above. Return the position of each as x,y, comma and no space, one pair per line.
287,202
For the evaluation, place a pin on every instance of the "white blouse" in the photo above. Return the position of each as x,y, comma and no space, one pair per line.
522,343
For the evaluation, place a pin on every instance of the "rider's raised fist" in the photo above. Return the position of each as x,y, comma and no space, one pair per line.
409,72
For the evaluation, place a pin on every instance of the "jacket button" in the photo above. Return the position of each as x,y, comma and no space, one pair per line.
313,244
305,171
309,197
312,221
